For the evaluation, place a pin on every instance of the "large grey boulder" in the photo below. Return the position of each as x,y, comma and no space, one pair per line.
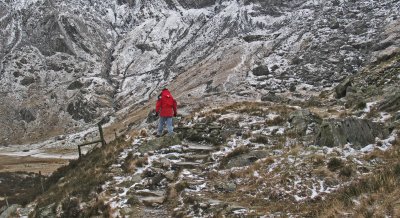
341,89
301,120
243,160
358,132
158,143
390,103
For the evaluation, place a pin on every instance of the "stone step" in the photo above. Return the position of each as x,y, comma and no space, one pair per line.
194,157
186,165
198,148
152,201
149,193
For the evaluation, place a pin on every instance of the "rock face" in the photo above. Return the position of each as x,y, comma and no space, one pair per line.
341,89
359,132
391,103
73,62
53,69
303,121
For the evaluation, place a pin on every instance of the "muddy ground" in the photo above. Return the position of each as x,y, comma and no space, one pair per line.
30,164
21,177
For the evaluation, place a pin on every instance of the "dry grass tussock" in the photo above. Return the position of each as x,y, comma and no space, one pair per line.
132,162
374,195
67,181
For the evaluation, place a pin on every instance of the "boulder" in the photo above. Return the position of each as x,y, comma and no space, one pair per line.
245,159
158,143
301,119
271,97
341,89
10,211
358,132
152,201
27,115
170,175
27,81
355,100
185,165
75,85
261,71
225,187
390,103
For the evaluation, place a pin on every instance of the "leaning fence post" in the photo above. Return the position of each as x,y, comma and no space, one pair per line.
79,151
103,142
41,181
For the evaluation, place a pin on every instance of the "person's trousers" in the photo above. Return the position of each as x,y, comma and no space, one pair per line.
162,122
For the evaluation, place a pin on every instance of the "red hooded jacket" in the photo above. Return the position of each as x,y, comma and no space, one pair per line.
166,104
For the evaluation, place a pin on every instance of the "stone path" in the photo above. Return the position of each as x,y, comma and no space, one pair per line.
148,187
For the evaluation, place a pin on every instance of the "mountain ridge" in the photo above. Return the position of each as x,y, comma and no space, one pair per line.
96,58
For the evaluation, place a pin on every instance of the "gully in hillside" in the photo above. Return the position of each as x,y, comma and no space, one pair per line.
166,109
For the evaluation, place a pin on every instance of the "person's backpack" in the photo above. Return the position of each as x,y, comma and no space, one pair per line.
167,99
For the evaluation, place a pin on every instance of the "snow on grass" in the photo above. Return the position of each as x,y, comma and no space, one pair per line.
270,130
256,174
384,116
232,116
369,105
231,145
41,150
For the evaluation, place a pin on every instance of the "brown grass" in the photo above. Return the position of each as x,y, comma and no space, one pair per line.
347,171
335,164
30,164
317,160
373,113
322,172
344,114
279,120
235,152
261,139
377,192
91,169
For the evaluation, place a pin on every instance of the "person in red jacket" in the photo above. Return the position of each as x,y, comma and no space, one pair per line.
166,109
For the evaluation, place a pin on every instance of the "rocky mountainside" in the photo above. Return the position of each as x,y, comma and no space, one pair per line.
287,108
65,65
321,157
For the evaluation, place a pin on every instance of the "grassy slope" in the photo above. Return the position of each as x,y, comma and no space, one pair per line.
369,195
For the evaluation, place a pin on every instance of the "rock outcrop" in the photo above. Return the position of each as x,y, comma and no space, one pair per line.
358,132
73,62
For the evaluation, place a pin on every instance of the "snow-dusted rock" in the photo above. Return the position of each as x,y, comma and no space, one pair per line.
359,132
67,64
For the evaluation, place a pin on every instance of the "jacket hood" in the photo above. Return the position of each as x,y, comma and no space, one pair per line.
166,93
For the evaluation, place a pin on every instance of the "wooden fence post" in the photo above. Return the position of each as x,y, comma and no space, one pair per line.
103,142
41,181
79,151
